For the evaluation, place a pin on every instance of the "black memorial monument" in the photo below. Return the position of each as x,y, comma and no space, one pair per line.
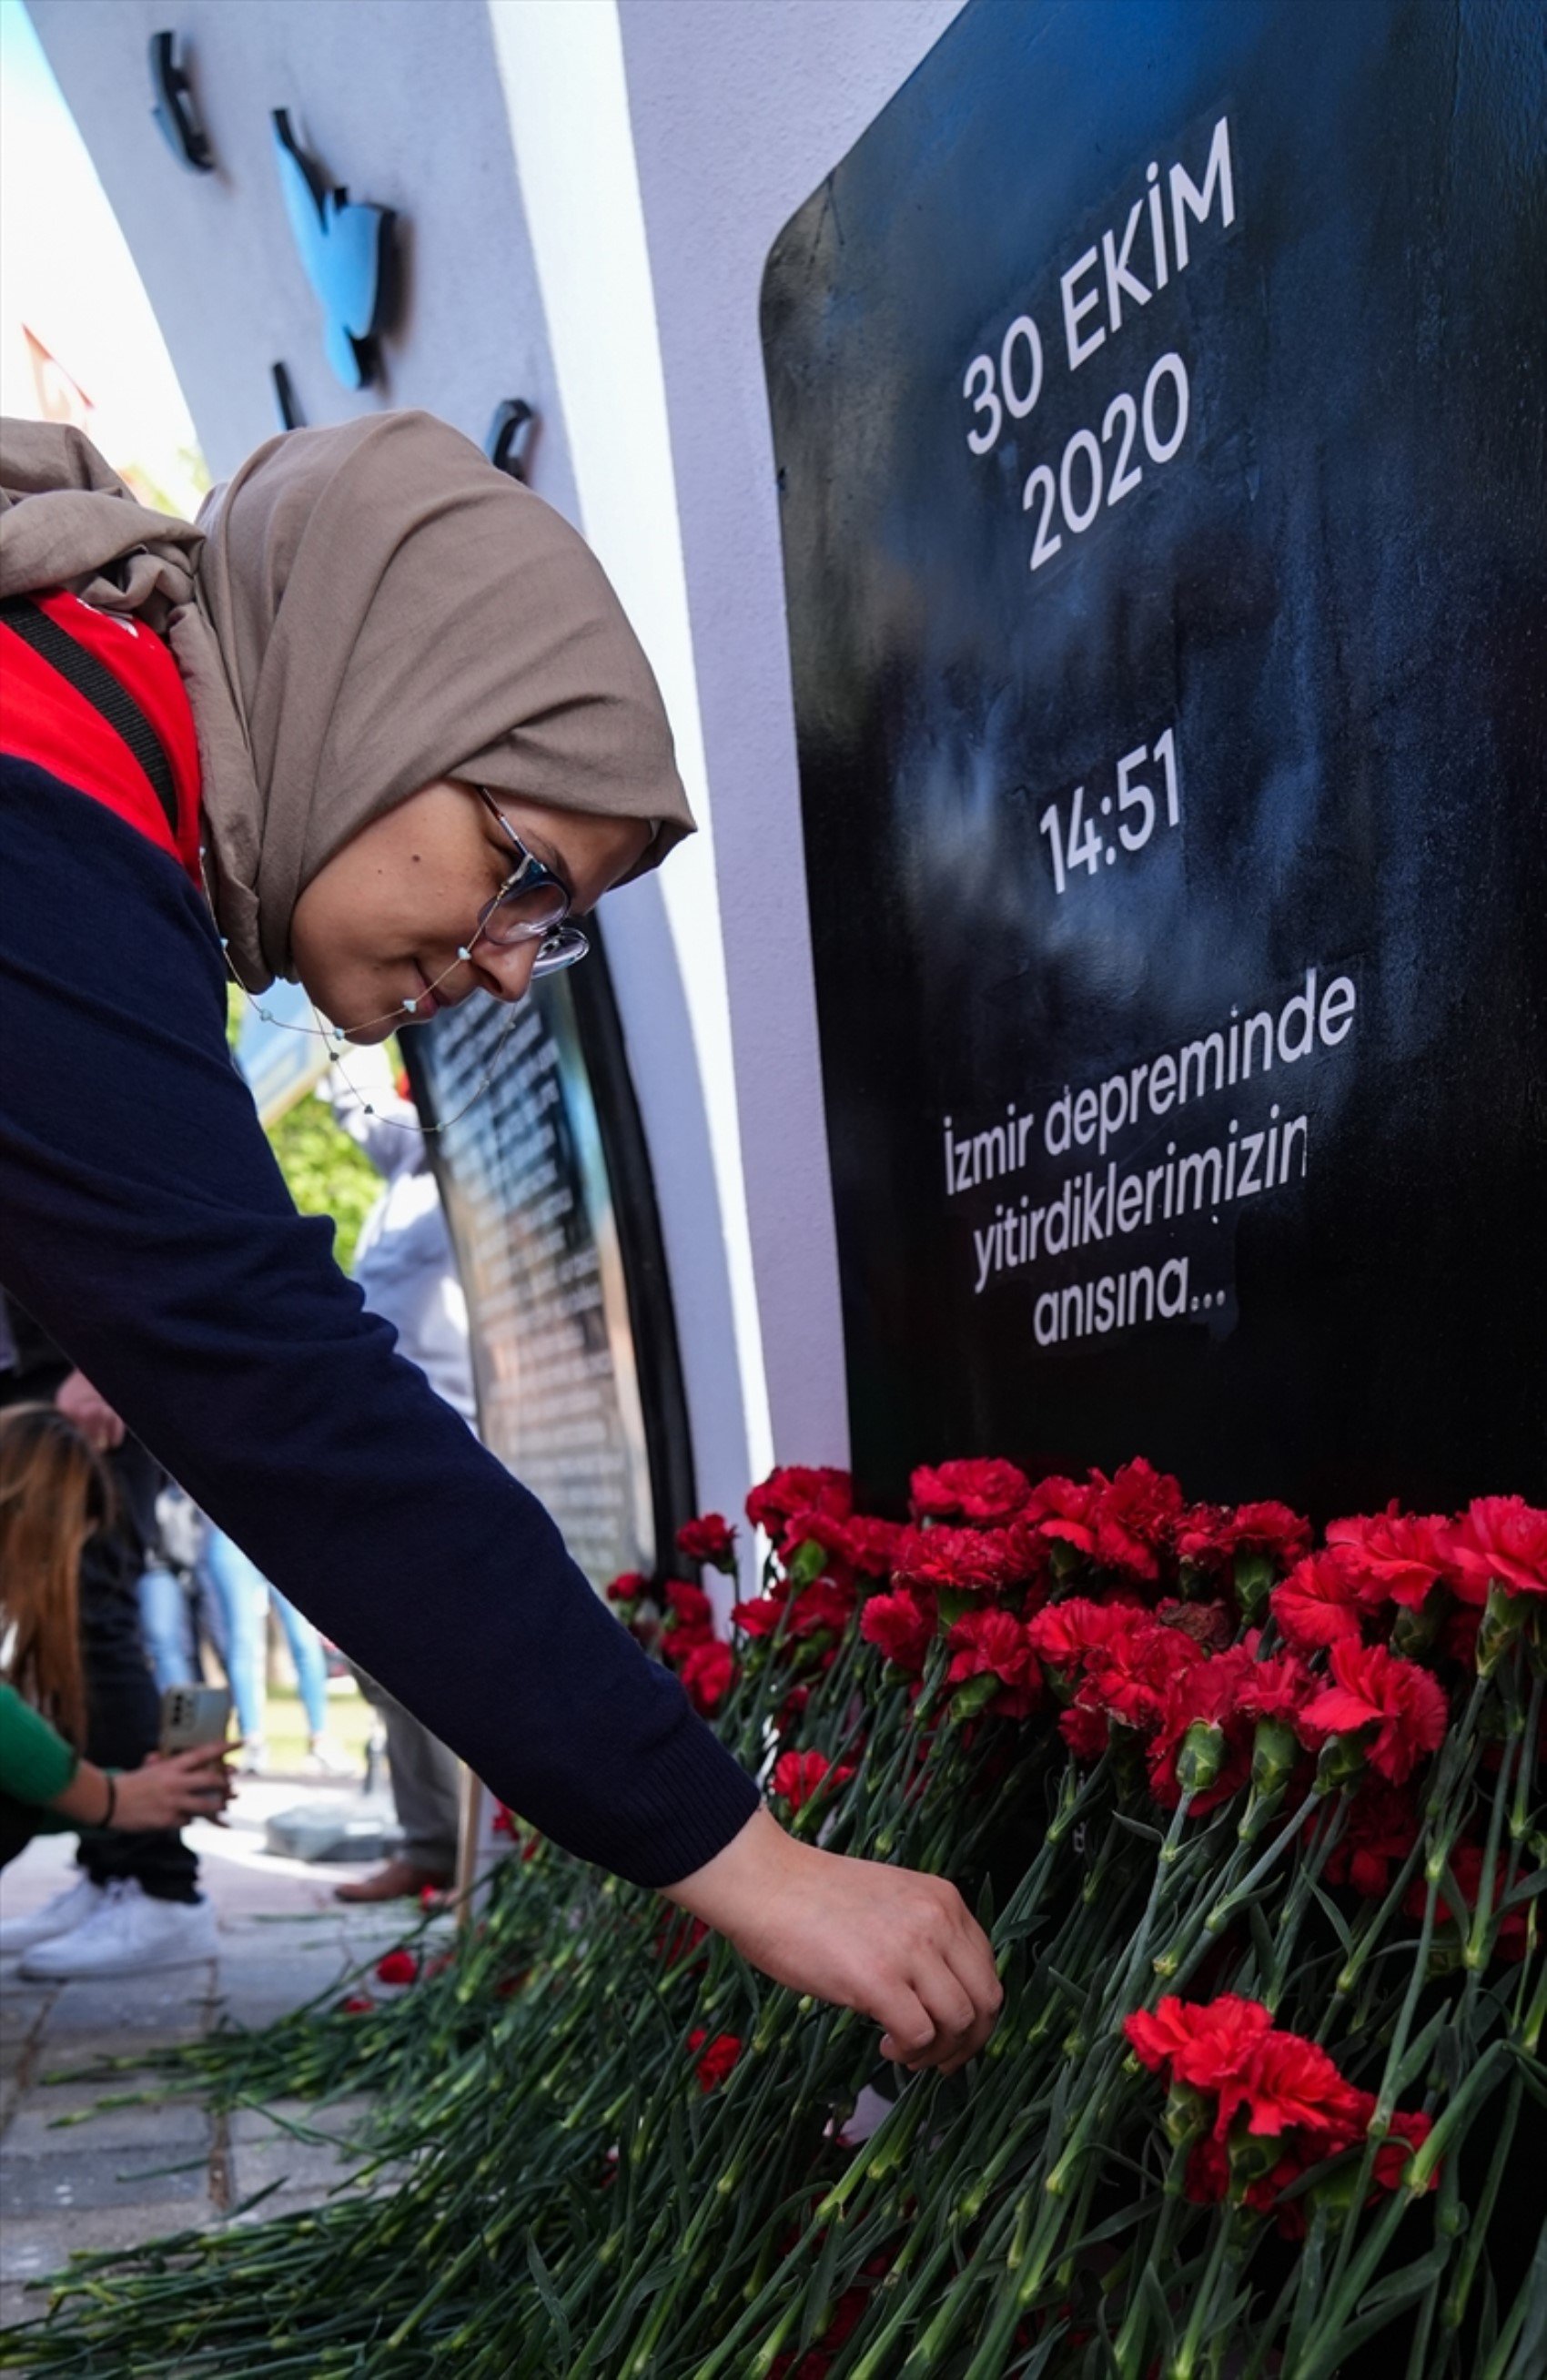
1158,398
546,1180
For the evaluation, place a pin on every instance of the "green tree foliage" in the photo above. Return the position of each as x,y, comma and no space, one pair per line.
325,1173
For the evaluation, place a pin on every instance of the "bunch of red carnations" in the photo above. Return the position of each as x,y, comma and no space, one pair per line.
1254,1817
1239,1794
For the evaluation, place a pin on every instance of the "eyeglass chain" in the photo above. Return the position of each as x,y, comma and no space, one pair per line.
337,1040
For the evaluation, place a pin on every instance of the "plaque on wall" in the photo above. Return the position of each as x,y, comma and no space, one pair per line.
547,1188
1158,401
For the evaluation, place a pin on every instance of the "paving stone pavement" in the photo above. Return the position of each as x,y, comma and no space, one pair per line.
74,2176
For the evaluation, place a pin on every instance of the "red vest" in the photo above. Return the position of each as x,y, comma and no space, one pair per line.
44,720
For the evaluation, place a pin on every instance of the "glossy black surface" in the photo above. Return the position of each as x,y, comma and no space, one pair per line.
1331,593
551,1208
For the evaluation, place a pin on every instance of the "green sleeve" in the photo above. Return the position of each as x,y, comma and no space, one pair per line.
35,1762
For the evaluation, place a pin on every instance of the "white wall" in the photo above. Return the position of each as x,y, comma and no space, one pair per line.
589,190
402,103
740,108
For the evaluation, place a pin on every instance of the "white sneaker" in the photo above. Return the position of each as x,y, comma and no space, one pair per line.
128,1935
327,1757
66,1910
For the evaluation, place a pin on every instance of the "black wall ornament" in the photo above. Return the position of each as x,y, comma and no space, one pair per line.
346,247
175,110
286,403
509,442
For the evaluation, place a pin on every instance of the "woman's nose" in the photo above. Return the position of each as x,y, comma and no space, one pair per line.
507,967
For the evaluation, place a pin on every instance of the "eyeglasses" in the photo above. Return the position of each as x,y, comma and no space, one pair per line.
532,905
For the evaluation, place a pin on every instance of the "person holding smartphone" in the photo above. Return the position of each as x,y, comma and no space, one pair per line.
46,1786
80,1722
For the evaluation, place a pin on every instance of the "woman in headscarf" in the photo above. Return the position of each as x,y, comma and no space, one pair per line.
378,724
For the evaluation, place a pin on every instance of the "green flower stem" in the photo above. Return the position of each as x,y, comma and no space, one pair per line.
1184,2362
1536,2015
1307,1875
1219,1897
878,2361
1118,1992
1129,2351
1504,2363
1325,2345
1453,2309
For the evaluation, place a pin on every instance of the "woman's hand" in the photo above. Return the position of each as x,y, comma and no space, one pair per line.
91,1414
905,1949
173,1787
165,1793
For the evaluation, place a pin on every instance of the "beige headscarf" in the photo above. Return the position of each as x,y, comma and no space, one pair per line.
359,610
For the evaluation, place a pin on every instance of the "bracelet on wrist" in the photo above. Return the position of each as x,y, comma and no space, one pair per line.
107,1816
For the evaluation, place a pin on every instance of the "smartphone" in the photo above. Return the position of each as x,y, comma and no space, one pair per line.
192,1716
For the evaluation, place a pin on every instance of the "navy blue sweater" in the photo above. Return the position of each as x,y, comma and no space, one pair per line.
146,1225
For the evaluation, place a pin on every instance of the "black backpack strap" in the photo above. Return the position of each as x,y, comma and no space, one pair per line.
94,679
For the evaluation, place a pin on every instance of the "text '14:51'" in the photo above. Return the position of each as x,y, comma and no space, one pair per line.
1080,843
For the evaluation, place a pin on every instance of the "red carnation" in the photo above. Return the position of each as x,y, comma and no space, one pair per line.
799,1776
628,1586
996,1641
397,1967
760,1617
1204,2045
1275,1688
1382,1830
900,1626
1396,1556
993,1644
708,1674
1375,1689
718,2059
871,1545
1210,1536
1135,1515
824,1603
1292,2083
791,1489
962,1561
811,1526
1459,1634
1405,2133
1208,1624
708,1539
1321,1602
1204,1693
1267,2086
1064,1633
1061,1508
356,2004
986,1491
677,1939
1085,1730
1140,1679
1499,1540
691,1615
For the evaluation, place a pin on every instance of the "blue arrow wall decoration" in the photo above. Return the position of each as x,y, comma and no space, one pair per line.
346,249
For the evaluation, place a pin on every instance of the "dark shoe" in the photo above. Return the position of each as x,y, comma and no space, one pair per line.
399,1880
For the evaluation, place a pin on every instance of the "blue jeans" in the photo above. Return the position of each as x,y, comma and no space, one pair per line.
243,1593
165,1620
